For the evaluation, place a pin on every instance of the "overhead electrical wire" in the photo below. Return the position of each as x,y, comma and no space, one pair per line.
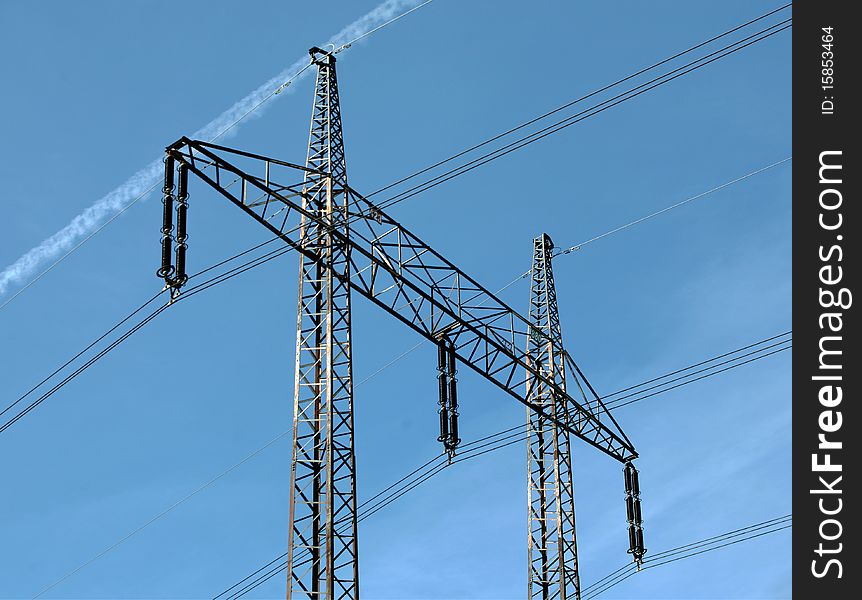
651,215
161,514
623,573
614,400
78,355
546,132
280,562
439,163
652,564
586,113
576,101
498,440
564,252
574,248
590,591
421,474
710,544
781,335
218,279
398,197
274,254
21,414
281,251
217,136
688,381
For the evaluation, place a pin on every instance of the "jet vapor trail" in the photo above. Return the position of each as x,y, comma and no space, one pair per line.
144,181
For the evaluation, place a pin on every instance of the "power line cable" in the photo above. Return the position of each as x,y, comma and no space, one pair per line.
347,45
424,473
585,114
687,371
692,549
235,122
632,571
783,334
365,514
74,248
620,228
724,545
218,279
717,188
82,368
78,355
282,251
259,260
439,163
264,243
673,387
161,514
722,537
586,589
673,206
576,247
576,101
230,126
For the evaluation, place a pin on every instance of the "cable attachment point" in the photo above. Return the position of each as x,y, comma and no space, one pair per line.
375,213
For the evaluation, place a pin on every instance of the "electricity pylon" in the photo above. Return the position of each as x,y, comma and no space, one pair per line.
552,547
348,244
323,473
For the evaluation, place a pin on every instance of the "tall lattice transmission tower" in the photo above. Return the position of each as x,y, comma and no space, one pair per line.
348,244
323,474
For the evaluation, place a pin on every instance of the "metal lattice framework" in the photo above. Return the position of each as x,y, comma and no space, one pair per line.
322,558
348,244
399,272
552,547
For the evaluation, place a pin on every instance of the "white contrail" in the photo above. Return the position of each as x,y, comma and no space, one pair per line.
145,180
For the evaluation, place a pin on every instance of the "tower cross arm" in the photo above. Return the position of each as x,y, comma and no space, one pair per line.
396,270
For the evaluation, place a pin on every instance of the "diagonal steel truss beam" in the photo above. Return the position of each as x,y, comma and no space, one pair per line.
396,270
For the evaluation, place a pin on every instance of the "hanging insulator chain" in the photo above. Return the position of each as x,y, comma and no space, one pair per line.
448,390
166,271
633,514
182,209
454,440
174,273
443,387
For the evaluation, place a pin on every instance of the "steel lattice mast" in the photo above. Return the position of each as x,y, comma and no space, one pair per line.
322,550
553,557
346,244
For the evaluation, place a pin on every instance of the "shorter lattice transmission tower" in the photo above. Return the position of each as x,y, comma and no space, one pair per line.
552,545
552,541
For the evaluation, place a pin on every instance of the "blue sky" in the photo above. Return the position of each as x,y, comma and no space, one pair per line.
95,92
